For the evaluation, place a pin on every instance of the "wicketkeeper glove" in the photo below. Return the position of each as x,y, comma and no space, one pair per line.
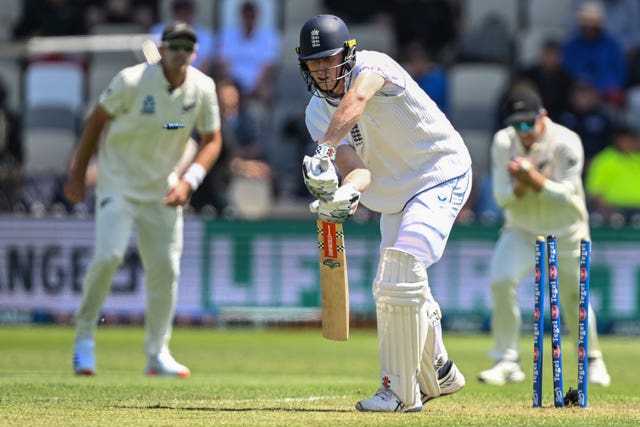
320,177
342,205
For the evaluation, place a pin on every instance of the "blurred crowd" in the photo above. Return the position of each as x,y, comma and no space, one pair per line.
588,78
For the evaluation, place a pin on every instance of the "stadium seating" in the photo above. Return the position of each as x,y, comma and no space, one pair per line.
549,15
103,67
49,139
10,74
374,37
474,89
528,42
54,84
477,11
9,14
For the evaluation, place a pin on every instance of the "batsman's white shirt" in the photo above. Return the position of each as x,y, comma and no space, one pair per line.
402,137
150,128
560,207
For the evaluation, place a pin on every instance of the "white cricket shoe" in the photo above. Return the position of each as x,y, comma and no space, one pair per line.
164,364
386,401
503,372
598,372
84,362
449,383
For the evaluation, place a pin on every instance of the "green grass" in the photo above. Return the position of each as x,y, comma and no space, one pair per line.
277,378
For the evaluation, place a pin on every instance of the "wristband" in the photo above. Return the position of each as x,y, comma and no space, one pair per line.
326,149
194,175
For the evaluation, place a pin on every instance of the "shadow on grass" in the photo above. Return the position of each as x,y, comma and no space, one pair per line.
239,409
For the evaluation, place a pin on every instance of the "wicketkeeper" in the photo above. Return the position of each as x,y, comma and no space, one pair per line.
536,171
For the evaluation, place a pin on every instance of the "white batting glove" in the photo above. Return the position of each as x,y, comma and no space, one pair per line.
342,205
320,177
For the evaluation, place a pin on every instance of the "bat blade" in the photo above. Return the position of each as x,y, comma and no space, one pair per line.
334,282
150,51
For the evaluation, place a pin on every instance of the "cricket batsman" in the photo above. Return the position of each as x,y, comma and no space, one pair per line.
400,156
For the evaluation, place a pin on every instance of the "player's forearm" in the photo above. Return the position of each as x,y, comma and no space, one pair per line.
359,178
345,118
536,180
352,167
352,106
89,140
209,151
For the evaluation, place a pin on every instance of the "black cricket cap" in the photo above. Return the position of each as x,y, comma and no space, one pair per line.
523,105
179,30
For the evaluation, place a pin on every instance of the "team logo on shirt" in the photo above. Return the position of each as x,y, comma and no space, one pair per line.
356,136
149,105
187,107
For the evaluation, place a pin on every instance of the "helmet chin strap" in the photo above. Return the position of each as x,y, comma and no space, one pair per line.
331,93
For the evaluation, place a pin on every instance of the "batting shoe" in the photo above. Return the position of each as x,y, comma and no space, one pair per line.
450,379
84,361
386,401
164,364
598,372
503,372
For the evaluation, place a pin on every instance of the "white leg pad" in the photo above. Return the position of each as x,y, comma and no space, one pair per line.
401,291
427,377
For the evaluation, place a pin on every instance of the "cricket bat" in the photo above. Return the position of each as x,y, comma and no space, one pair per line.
150,51
334,282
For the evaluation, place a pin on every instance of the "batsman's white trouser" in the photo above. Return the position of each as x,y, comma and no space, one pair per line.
513,259
422,229
159,237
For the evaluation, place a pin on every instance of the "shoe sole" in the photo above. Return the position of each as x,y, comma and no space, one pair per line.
414,409
85,372
454,387
154,373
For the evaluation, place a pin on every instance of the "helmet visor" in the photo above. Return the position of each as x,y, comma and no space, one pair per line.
323,54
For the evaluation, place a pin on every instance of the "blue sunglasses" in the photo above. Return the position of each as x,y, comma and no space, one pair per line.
528,126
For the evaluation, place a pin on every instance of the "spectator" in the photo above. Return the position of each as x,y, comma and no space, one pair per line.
11,155
50,18
622,21
429,75
243,152
550,78
186,11
249,53
589,118
357,11
242,125
593,54
611,181
212,197
250,152
138,12
434,24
